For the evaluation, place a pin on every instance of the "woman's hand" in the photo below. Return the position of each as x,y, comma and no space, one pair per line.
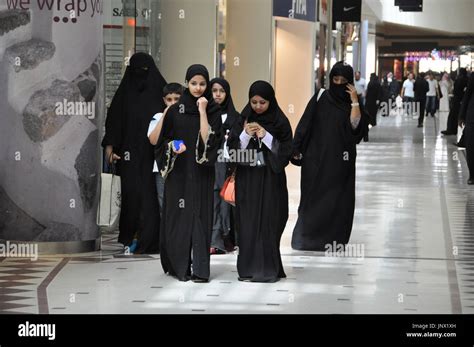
111,156
250,128
202,104
261,132
352,92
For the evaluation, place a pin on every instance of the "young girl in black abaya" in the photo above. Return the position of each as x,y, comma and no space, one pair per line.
188,169
222,240
261,191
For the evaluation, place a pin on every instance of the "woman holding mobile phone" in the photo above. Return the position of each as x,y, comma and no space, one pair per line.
194,124
261,191
325,148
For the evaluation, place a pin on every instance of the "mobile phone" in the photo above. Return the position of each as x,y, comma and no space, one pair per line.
177,144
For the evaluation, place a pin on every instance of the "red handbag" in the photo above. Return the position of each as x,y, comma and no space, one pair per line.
228,190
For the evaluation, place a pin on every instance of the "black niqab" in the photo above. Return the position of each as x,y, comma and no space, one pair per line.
138,98
339,92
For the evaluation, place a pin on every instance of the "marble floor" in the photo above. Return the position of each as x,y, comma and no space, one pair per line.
414,229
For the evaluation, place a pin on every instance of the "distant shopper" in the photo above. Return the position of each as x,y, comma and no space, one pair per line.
361,86
391,89
431,95
421,88
466,117
460,85
374,97
408,92
446,86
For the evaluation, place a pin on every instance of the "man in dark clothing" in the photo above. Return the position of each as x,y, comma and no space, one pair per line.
421,88
391,89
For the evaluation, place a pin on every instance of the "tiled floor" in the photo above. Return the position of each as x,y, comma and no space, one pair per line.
414,217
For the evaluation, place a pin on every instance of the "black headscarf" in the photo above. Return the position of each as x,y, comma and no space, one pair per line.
339,92
138,97
188,100
143,73
228,104
273,119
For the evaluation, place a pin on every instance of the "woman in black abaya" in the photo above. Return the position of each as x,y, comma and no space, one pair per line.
325,147
189,178
222,240
261,190
373,98
137,99
466,117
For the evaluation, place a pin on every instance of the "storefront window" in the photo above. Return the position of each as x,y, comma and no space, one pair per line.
129,26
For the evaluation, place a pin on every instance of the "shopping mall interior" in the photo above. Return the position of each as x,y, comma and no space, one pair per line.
413,223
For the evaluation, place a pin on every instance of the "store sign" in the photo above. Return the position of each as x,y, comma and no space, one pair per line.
346,10
295,9
65,11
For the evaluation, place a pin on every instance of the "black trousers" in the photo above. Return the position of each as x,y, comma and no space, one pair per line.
469,138
421,106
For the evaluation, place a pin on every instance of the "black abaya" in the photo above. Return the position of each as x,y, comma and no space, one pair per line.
373,98
460,85
137,100
189,179
466,115
261,193
222,230
326,210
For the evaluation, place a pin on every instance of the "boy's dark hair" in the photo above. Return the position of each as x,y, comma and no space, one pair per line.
173,88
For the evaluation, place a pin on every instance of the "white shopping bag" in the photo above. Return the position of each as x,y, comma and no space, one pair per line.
108,213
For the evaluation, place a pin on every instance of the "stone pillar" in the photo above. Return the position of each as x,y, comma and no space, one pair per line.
249,46
189,36
51,107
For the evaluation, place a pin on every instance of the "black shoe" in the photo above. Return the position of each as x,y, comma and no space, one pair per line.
228,244
470,182
445,132
197,279
420,125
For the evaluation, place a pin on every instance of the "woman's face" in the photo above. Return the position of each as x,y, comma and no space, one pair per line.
259,105
197,86
339,80
218,93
